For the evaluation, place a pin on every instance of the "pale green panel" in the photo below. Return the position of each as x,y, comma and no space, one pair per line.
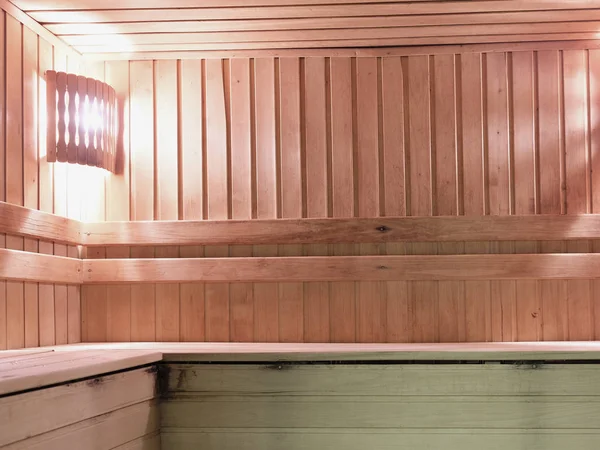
274,411
400,379
376,440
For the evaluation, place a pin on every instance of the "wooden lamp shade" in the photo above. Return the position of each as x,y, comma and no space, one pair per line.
82,120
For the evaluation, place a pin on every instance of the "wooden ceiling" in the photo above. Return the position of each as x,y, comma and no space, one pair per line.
155,28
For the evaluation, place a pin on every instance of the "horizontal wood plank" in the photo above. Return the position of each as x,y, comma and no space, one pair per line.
150,441
68,366
33,413
512,10
18,265
394,50
186,24
162,51
321,231
104,432
19,221
36,5
431,5
421,412
398,379
296,37
262,352
343,268
357,439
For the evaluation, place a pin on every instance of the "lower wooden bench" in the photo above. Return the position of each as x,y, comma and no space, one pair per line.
226,396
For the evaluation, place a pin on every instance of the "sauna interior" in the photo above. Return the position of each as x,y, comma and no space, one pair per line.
299,224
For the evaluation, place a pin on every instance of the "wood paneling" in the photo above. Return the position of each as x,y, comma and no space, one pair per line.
32,313
489,136
161,27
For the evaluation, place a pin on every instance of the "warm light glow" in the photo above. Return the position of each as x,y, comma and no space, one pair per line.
84,112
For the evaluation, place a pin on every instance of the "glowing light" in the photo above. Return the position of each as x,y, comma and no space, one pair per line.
85,128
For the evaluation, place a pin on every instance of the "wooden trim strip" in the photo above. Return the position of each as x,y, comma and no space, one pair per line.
412,5
558,43
332,231
37,267
20,221
261,352
343,268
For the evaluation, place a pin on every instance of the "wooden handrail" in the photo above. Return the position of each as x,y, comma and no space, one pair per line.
352,230
343,268
20,221
25,266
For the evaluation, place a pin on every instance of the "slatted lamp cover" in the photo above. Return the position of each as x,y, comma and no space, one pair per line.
82,120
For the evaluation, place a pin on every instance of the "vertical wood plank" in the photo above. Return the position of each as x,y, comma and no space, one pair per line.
191,298
167,116
46,304
216,294
74,305
342,302
291,304
143,303
395,119
167,302
118,184
118,303
61,309
167,187
594,103
30,172
15,306
552,292
266,308
529,317
450,293
118,203
477,293
497,135
96,312
3,311
423,295
500,191
61,203
316,295
46,170
141,88
192,192
580,311
46,197
370,296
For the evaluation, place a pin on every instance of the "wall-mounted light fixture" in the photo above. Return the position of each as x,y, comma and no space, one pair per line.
82,120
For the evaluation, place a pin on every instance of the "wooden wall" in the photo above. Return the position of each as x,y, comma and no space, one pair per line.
492,133
33,314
